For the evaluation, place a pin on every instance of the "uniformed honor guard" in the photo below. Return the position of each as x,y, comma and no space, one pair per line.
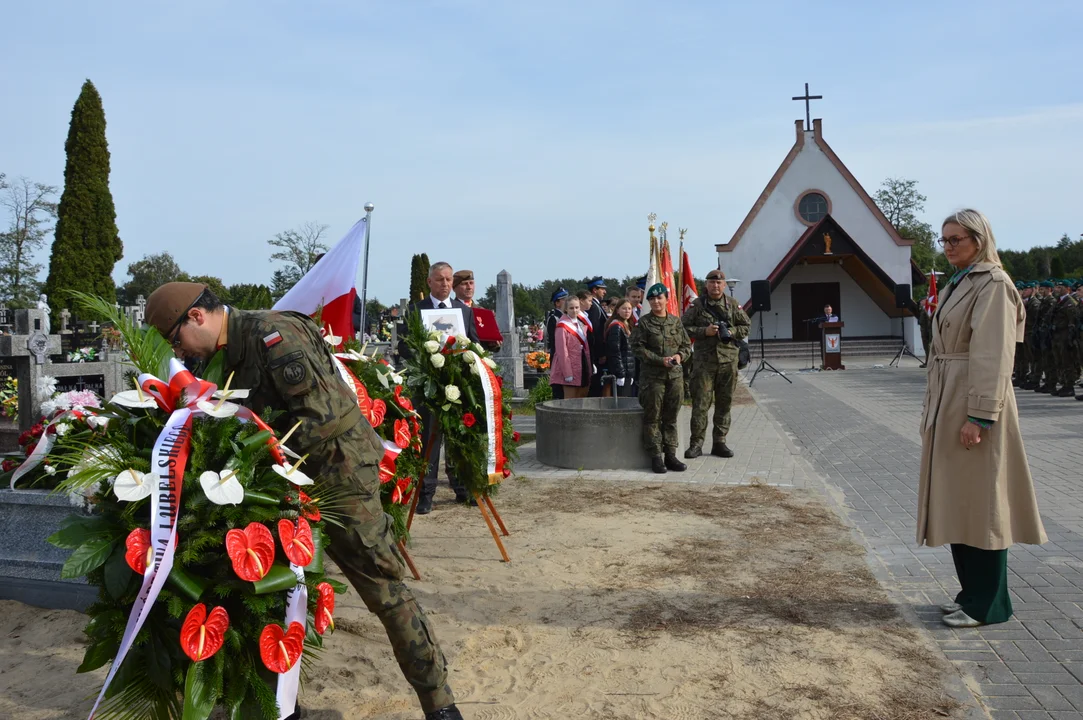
661,345
1046,373
1020,352
1030,305
717,324
288,367
1063,323
551,320
598,319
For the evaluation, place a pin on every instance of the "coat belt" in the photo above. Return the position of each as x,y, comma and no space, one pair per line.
953,356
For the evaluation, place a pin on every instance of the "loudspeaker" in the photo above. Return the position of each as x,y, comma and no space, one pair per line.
902,296
761,295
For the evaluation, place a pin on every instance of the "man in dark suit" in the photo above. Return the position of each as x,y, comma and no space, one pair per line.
598,319
551,321
439,281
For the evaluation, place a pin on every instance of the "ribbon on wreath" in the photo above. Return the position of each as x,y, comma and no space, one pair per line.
181,397
45,443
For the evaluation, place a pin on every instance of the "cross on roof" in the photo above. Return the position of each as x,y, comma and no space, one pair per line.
806,97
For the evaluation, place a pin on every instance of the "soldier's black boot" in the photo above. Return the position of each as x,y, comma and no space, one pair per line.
1066,391
672,463
449,713
424,505
693,452
1030,385
1079,397
720,449
1045,389
658,464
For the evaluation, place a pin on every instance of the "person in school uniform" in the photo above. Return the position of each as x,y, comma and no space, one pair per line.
557,299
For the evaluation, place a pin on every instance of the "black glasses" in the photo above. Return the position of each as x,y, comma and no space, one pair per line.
953,241
174,332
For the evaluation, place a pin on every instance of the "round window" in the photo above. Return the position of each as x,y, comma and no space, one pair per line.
812,207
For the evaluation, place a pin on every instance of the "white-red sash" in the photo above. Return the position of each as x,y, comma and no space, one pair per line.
575,328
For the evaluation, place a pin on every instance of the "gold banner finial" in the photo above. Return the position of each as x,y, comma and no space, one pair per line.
650,219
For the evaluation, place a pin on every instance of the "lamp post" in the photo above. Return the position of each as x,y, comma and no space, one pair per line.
369,207
731,283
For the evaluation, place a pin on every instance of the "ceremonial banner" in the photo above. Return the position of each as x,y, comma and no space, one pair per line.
653,274
688,283
673,303
330,285
931,301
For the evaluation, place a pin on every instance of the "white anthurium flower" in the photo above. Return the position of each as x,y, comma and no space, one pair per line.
452,393
220,409
231,394
396,378
431,346
291,473
134,399
222,489
287,452
132,485
97,421
334,340
437,360
384,381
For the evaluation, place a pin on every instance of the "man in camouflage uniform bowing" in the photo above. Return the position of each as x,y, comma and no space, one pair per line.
661,345
287,366
717,324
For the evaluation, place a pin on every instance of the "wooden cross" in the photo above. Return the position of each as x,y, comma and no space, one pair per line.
808,113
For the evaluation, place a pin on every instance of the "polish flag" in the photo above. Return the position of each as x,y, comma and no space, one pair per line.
688,292
330,285
933,298
673,304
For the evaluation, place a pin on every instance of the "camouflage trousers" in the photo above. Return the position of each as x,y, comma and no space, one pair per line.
661,400
1048,367
1067,367
364,549
1019,367
715,382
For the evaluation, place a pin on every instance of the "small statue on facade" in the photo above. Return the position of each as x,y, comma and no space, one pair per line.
43,305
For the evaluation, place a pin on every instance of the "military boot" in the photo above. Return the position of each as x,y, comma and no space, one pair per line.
1045,389
720,449
672,463
449,713
658,464
693,452
1066,391
1030,385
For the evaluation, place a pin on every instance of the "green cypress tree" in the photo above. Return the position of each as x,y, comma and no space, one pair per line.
423,275
87,244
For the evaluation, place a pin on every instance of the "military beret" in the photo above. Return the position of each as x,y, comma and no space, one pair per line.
656,290
460,277
641,283
1046,283
597,282
171,302
1019,285
560,294
716,274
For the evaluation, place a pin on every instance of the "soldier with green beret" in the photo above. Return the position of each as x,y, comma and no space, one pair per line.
716,323
661,344
1063,320
1021,353
287,366
1044,374
1031,302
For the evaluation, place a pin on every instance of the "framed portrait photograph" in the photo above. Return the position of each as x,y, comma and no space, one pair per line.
448,321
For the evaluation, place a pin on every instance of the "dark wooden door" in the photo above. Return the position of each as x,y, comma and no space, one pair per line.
807,301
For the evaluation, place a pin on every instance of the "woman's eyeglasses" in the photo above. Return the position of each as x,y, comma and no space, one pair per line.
953,241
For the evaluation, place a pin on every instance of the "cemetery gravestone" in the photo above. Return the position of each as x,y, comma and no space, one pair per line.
508,357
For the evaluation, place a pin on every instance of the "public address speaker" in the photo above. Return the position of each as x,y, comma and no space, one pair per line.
902,296
761,295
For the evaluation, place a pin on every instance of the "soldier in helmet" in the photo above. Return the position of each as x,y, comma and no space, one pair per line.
287,366
661,345
717,323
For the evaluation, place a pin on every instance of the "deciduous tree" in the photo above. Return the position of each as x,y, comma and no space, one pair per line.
31,208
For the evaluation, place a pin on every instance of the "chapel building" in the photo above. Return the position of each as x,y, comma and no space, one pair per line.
817,237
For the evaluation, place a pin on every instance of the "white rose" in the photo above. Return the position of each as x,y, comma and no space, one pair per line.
433,335
437,360
492,365
462,341
475,369
451,392
469,356
432,346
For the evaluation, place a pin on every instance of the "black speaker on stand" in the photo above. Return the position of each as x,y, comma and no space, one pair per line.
903,300
761,303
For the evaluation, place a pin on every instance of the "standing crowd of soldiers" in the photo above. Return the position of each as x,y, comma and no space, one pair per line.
1050,357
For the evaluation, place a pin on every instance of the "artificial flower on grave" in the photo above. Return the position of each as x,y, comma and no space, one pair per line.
539,360
9,398
380,394
83,355
241,530
466,397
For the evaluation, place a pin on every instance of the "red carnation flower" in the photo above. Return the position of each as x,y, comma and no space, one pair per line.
515,437
469,420
281,650
202,635
51,430
325,607
37,431
402,434
139,553
25,438
297,541
252,550
30,449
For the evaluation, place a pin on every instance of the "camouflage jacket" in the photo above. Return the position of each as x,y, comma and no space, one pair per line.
1042,327
697,319
1032,304
1063,317
654,338
287,366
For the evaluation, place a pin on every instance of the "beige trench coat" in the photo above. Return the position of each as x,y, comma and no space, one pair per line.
984,496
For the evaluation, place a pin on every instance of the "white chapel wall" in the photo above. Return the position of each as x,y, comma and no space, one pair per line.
862,316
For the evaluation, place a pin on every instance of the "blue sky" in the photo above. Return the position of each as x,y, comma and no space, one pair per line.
536,137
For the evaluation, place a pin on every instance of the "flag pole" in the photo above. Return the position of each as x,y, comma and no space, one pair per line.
369,207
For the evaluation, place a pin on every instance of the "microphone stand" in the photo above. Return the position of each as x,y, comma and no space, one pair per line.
811,344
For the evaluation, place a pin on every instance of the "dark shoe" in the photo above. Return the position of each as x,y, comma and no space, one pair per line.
721,450
672,463
449,713
1066,391
658,465
464,499
424,505
693,452
1045,389
1079,397
1029,385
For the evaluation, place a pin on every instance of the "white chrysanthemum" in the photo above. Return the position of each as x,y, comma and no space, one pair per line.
63,429
437,360
431,346
451,392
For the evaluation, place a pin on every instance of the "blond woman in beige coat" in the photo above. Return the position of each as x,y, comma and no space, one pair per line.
975,492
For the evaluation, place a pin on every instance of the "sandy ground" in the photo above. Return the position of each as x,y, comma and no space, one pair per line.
621,601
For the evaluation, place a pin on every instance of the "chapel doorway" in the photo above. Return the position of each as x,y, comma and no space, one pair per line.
807,301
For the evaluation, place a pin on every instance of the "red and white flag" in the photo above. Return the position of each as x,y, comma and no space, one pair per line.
330,285
688,281
931,301
673,304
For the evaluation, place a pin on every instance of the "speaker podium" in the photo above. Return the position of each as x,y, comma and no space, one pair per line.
831,346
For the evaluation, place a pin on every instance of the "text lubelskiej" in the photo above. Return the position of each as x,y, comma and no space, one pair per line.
174,444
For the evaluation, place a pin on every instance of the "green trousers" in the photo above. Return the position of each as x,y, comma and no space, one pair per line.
983,575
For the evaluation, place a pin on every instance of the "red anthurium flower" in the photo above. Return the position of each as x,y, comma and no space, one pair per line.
309,509
202,635
415,426
515,437
400,494
139,553
402,434
252,550
387,467
469,420
364,402
297,542
281,650
325,607
376,416
404,402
